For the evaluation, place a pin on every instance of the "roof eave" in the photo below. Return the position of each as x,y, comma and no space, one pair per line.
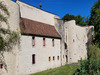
27,34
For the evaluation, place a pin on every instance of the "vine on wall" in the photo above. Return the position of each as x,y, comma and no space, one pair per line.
8,38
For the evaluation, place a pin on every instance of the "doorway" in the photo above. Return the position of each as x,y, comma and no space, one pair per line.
66,59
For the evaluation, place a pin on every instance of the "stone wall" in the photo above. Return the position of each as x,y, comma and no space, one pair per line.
13,22
13,19
77,41
59,25
19,61
42,54
36,14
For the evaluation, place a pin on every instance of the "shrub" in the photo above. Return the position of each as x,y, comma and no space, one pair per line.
88,67
94,52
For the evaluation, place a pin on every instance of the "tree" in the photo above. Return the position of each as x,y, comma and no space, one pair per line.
79,20
68,17
95,20
8,38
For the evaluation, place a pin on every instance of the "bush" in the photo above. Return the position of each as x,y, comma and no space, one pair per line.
92,65
94,52
88,67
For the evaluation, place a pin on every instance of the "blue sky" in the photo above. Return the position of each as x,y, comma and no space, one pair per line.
62,7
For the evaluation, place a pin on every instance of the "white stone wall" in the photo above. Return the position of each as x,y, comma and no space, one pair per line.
59,25
77,41
33,13
13,22
19,61
42,55
13,19
10,60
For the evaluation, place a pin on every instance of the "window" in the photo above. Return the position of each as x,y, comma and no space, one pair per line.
1,66
65,46
33,41
53,42
58,57
33,59
49,58
53,58
43,41
63,56
73,40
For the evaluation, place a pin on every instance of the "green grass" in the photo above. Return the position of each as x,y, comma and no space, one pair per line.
64,70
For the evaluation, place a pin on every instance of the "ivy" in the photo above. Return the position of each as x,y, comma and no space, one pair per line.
4,8
8,38
3,19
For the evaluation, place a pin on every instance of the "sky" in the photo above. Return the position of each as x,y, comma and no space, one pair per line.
63,7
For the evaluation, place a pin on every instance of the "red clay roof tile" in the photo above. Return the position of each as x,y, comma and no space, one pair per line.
38,28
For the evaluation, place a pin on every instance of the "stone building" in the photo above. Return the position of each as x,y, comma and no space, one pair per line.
46,42
77,41
10,58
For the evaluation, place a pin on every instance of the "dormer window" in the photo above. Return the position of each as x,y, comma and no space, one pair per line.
43,41
33,41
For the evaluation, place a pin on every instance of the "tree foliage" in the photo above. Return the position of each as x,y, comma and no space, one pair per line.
95,20
79,20
68,17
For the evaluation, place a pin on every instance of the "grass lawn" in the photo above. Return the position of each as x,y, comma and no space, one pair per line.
64,70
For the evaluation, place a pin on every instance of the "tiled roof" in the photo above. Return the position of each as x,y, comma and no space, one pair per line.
37,28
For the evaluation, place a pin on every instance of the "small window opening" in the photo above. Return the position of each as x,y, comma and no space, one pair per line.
33,59
63,56
43,41
58,57
65,46
53,58
73,40
53,42
49,58
1,66
33,41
